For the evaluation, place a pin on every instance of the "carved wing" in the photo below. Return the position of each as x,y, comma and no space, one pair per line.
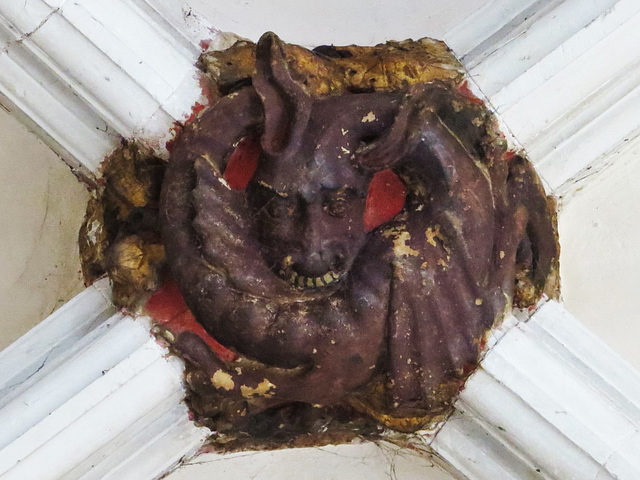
476,218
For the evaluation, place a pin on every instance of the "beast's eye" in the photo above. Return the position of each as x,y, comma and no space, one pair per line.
336,207
279,207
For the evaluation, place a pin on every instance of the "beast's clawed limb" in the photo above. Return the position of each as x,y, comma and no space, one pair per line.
254,385
245,381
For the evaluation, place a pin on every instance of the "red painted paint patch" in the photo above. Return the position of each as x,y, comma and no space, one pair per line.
204,44
385,199
166,303
467,93
175,130
242,163
167,308
195,110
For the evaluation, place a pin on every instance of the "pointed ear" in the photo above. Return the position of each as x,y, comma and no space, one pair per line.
287,106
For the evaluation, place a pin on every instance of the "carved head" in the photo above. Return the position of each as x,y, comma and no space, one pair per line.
308,193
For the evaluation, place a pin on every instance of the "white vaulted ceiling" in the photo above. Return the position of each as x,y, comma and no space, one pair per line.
562,75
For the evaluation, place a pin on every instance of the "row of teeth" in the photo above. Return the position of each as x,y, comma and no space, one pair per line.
301,281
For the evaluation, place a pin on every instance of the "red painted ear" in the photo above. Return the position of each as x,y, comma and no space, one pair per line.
242,163
385,199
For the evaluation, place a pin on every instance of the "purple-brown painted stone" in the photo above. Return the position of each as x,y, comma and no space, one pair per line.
320,308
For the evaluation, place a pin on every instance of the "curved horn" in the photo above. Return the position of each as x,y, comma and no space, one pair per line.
401,139
287,106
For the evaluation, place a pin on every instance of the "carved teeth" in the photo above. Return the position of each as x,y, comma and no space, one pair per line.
301,281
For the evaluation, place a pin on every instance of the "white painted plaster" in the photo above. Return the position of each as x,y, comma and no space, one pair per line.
598,259
41,208
338,22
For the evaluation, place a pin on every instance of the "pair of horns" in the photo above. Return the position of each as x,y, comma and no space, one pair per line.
287,108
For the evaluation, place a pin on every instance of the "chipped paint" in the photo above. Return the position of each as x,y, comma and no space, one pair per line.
369,117
169,336
222,380
224,183
400,239
433,233
264,389
94,231
273,189
401,248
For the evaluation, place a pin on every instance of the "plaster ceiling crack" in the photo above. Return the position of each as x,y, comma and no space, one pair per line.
26,35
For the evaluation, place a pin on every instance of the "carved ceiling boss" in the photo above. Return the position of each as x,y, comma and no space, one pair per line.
345,226
351,246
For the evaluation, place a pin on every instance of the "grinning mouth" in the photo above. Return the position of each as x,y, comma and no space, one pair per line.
303,282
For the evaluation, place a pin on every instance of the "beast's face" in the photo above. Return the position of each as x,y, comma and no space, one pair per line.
310,236
310,201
